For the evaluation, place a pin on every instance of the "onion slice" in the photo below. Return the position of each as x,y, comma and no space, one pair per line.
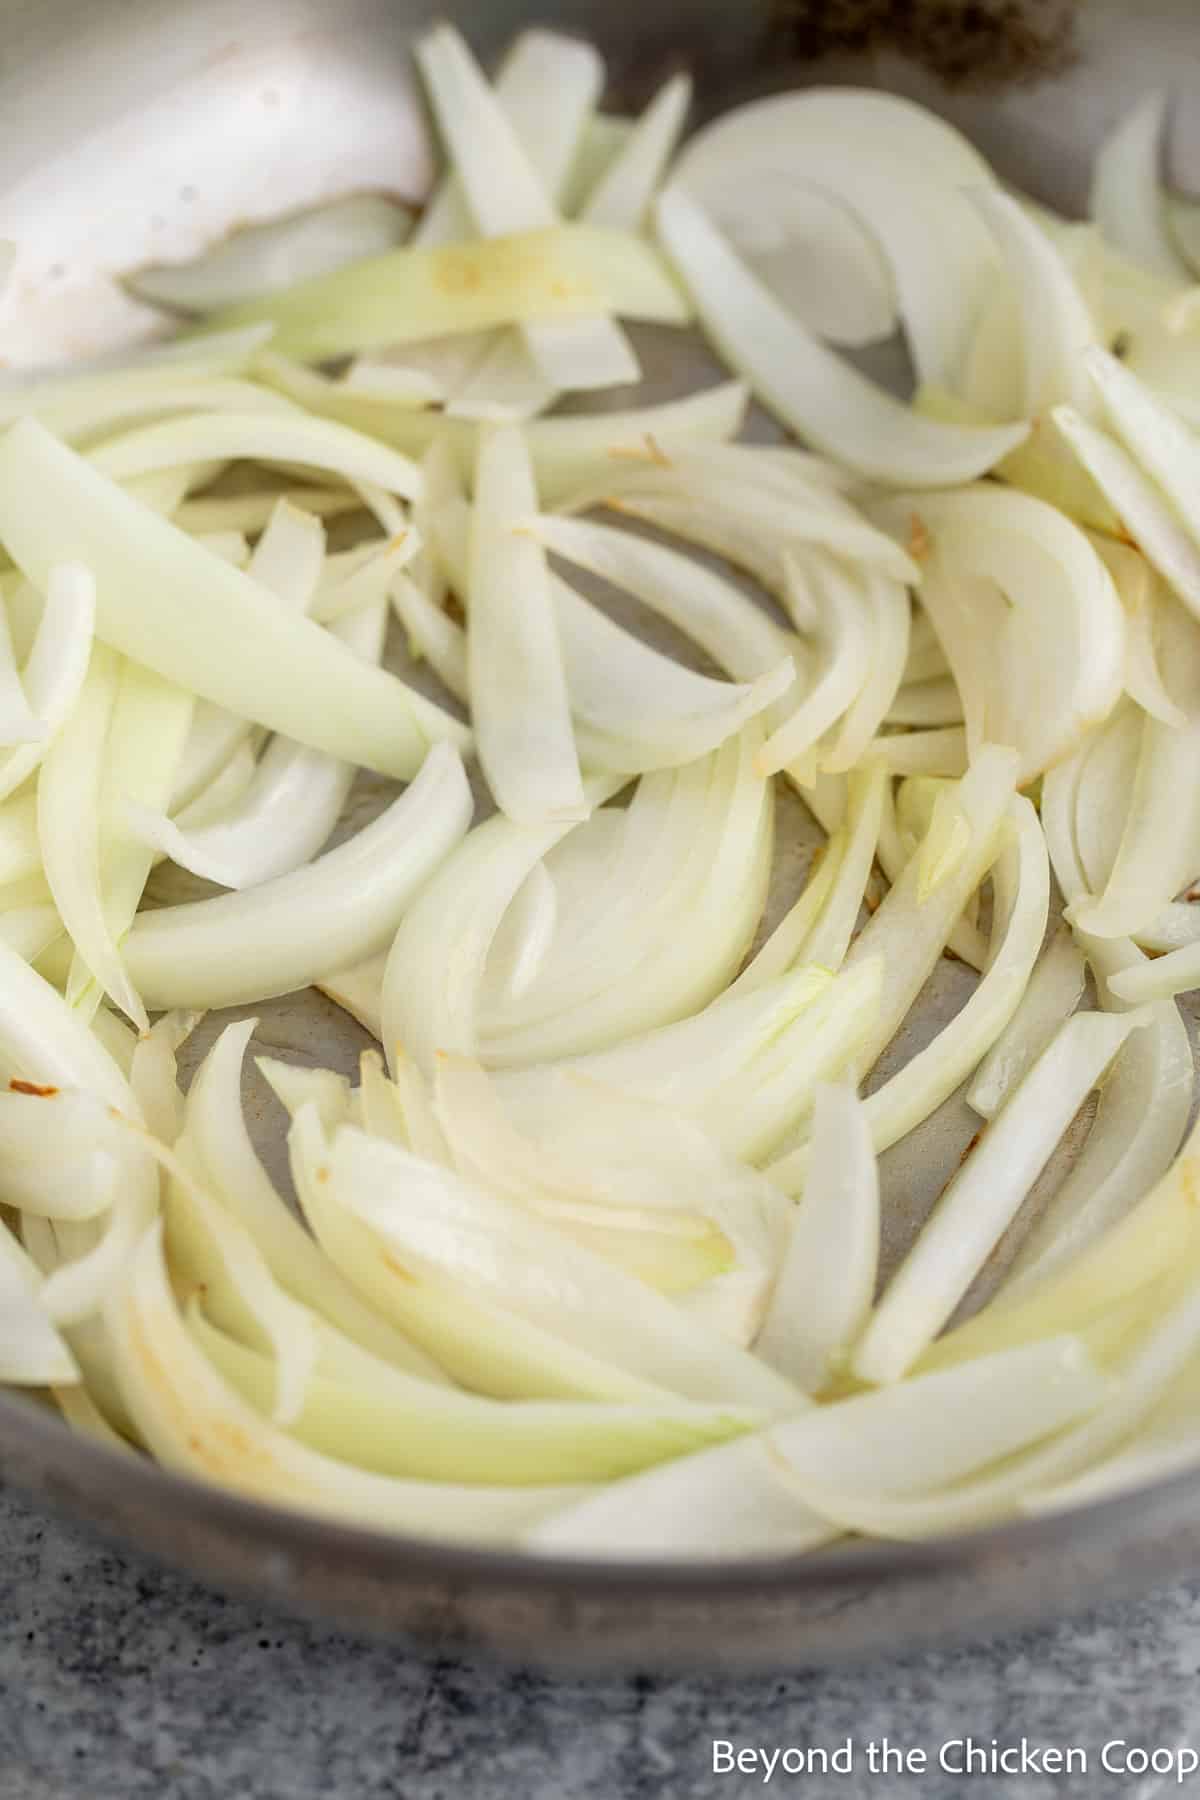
808,387
161,601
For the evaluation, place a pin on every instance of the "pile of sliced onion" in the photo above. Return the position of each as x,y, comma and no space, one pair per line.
593,1256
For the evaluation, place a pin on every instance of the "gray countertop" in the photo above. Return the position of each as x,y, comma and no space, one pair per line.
121,1682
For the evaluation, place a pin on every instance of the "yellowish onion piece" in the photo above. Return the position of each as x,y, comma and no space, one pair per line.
983,1197
195,1422
161,601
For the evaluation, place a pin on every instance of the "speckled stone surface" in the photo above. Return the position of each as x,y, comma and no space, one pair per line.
121,1682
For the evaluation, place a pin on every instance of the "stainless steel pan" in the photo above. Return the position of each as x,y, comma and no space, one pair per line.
135,129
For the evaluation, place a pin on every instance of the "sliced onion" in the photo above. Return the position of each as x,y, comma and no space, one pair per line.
1055,665
900,171
518,685
287,812
1056,326
623,195
808,387
1055,988
1144,511
984,1195
164,603
1127,200
57,665
286,932
505,195
826,1283
32,1353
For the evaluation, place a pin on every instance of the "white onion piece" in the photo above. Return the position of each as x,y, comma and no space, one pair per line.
287,812
747,514
784,948
1146,1376
527,931
735,632
149,728
432,636
580,448
1153,434
623,195
69,808
436,963
58,1161
1021,901
43,1041
635,709
1143,1112
909,932
154,1077
296,1085
890,617
668,935
1056,664
1142,508
1143,596
505,195
660,1238
1160,979
821,398
294,437
507,383
748,1498
517,681
826,1283
1055,988
369,400
546,86
161,601
1127,201
70,400
57,666
288,931
900,170
537,1272
685,1065
190,1418
261,258
1157,850
844,621
734,1500
985,1194
359,992
1056,326
827,942
32,1353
